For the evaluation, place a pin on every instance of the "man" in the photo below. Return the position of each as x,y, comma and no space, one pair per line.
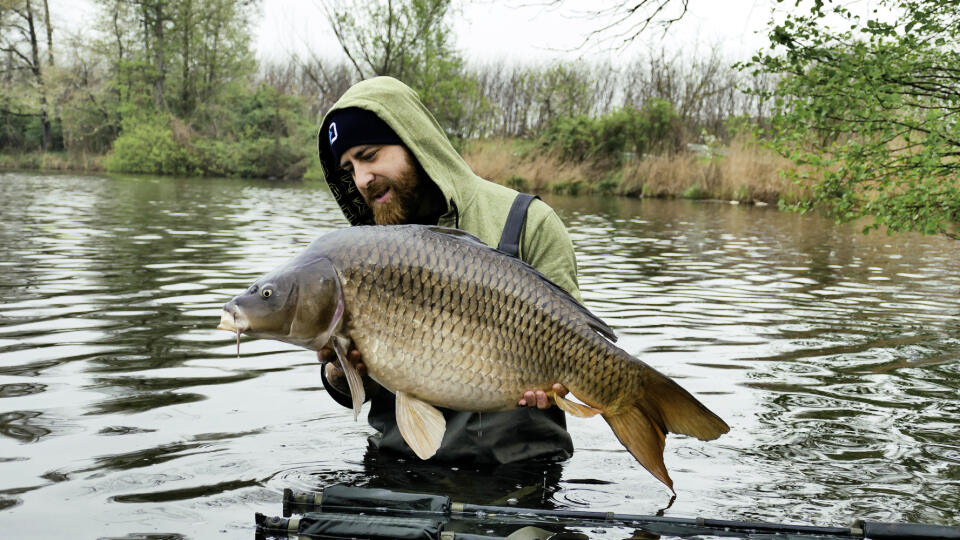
387,162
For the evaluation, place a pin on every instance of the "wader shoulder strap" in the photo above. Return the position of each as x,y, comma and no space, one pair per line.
510,239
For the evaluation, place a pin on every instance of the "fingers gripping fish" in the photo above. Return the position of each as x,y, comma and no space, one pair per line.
443,320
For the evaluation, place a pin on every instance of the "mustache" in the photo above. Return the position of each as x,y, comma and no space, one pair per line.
376,188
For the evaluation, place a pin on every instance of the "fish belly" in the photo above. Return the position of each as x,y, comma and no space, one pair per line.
454,367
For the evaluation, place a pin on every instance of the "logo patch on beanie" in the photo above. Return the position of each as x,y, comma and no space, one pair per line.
333,132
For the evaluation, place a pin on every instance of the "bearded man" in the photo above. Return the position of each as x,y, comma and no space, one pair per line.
387,162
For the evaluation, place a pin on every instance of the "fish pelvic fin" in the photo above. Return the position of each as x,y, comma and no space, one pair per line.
354,381
420,424
644,440
573,408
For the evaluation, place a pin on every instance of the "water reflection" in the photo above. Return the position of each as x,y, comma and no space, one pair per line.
832,355
848,343
526,485
22,425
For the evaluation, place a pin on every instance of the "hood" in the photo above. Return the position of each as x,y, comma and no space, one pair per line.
399,106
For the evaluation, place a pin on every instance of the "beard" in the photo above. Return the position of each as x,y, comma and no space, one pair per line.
402,204
406,195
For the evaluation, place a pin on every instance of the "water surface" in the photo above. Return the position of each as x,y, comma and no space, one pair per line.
832,355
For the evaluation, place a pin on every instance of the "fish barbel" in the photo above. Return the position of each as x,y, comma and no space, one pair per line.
441,319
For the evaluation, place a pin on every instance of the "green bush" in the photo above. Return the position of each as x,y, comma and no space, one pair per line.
615,137
25,133
146,145
575,187
610,183
260,134
268,135
695,192
34,134
12,128
575,137
516,182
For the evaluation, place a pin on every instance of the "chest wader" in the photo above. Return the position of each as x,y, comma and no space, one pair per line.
512,231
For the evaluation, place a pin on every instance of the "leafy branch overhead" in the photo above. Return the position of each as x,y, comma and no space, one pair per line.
869,109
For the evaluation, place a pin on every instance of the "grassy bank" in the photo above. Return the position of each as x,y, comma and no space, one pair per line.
742,171
53,161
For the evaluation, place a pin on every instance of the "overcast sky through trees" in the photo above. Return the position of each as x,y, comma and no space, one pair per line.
488,29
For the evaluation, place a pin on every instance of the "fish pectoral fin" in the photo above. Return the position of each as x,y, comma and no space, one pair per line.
576,409
643,438
421,425
354,381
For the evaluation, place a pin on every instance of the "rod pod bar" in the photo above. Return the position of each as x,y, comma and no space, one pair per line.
384,527
341,498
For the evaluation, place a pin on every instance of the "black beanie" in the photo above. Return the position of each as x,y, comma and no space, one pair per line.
353,126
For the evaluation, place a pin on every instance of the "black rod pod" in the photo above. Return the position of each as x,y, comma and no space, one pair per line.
344,499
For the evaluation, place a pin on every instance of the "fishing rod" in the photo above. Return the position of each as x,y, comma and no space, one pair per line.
345,500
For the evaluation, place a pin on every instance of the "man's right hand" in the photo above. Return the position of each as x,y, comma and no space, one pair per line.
334,375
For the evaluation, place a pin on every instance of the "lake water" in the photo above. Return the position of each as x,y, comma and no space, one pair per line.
834,357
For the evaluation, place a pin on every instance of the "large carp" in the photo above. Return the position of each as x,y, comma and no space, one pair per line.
441,319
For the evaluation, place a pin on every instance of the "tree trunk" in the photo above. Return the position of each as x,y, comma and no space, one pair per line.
38,74
187,94
46,21
155,18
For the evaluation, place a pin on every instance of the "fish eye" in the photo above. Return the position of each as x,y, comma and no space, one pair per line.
266,293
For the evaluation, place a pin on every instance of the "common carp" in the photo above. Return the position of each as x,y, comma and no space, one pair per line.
440,318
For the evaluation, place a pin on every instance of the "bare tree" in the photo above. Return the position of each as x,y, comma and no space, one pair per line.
21,41
620,22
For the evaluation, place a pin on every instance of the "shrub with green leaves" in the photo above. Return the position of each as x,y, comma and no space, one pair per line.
868,108
146,145
614,137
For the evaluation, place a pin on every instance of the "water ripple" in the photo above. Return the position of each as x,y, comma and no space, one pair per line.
833,356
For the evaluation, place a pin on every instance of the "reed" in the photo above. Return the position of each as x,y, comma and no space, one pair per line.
743,171
524,167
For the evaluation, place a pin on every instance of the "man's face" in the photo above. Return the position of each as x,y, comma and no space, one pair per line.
387,178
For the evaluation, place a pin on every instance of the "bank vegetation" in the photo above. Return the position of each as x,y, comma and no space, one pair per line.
860,121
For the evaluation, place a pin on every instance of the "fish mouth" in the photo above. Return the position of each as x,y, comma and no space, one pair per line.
233,322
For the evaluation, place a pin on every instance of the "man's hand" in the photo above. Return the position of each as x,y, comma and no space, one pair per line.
334,374
539,399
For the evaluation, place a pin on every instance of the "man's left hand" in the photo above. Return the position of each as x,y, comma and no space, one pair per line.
539,398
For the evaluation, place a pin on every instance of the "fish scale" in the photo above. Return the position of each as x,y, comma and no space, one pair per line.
443,320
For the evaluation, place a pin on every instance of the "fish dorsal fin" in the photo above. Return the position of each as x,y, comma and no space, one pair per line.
593,321
421,425
457,233
354,382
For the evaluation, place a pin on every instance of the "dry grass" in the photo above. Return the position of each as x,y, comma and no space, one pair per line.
504,162
744,171
751,172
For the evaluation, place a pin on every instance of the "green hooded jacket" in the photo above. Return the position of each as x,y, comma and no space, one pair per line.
475,205
479,207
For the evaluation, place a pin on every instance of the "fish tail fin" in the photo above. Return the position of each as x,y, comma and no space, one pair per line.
643,438
662,407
